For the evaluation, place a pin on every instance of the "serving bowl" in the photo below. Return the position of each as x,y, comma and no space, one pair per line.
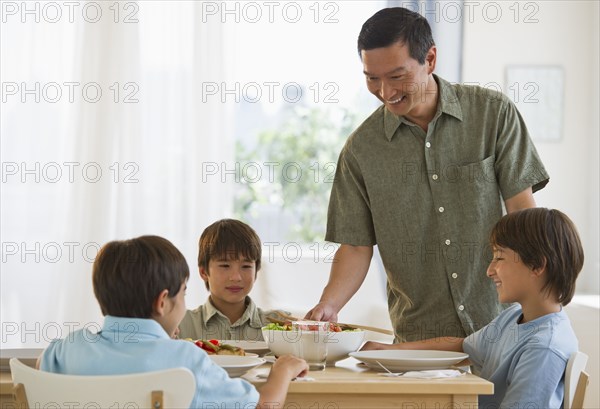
339,344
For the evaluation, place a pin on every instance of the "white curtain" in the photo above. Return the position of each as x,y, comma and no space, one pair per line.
81,168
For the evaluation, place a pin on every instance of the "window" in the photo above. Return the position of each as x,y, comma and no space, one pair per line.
293,110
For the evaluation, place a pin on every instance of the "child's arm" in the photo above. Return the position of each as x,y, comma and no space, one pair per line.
274,391
438,344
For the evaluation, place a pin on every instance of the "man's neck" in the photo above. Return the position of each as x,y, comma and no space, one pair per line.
426,111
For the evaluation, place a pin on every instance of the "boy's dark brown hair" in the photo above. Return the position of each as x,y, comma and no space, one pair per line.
229,239
129,275
541,237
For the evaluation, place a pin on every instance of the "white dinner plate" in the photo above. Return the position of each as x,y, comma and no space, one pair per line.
396,360
236,365
256,347
28,356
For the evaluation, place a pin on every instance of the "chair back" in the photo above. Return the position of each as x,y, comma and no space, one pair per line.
170,388
576,381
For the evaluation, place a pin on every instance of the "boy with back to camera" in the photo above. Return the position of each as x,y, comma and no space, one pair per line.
140,286
229,257
537,256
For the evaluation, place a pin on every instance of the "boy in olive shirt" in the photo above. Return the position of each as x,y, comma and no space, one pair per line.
229,257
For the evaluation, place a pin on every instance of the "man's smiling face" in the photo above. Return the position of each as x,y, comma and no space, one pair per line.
397,79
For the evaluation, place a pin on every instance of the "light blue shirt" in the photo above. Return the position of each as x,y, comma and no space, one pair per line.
526,362
130,345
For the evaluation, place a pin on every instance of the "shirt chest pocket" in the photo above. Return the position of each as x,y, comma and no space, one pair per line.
479,192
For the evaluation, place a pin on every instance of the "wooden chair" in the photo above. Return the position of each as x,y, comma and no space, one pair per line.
576,381
170,388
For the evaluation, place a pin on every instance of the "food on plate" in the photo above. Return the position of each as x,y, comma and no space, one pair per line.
287,326
215,347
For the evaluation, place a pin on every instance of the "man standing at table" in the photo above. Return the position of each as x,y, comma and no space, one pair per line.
424,178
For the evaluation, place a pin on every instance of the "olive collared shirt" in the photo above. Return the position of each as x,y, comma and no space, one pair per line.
207,322
428,200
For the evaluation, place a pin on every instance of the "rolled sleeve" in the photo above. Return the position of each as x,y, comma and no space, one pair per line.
518,165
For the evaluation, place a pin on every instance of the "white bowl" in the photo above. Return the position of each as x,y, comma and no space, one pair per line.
339,344
236,365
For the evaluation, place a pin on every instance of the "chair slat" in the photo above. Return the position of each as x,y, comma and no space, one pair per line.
157,400
20,396
580,390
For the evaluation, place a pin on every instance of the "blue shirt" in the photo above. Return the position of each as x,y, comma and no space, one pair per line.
526,362
131,345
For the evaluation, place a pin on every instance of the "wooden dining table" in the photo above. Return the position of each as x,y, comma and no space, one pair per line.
352,385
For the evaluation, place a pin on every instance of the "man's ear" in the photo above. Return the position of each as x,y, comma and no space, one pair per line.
159,306
203,273
430,59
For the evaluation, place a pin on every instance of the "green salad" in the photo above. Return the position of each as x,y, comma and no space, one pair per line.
333,327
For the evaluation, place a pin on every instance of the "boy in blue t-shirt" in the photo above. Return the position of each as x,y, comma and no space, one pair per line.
140,286
524,351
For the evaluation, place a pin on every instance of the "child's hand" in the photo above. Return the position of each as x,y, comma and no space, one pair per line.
291,366
372,346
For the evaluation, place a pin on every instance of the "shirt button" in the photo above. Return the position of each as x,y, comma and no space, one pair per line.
428,144
434,177
461,307
454,275
447,242
441,209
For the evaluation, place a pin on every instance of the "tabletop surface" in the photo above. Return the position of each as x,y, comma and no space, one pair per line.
350,376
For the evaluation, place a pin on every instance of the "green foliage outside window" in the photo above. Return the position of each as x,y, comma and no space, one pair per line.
301,155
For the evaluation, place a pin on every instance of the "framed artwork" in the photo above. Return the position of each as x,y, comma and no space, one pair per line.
538,92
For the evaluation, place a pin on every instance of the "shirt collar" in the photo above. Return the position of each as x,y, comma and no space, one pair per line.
448,99
251,313
132,328
447,104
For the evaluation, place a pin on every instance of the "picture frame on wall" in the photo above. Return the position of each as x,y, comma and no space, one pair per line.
538,93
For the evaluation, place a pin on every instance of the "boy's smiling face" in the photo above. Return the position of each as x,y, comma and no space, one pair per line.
230,279
513,279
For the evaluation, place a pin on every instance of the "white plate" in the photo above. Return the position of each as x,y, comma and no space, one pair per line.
396,360
28,356
236,365
256,347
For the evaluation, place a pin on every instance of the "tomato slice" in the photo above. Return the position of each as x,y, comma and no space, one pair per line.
214,342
